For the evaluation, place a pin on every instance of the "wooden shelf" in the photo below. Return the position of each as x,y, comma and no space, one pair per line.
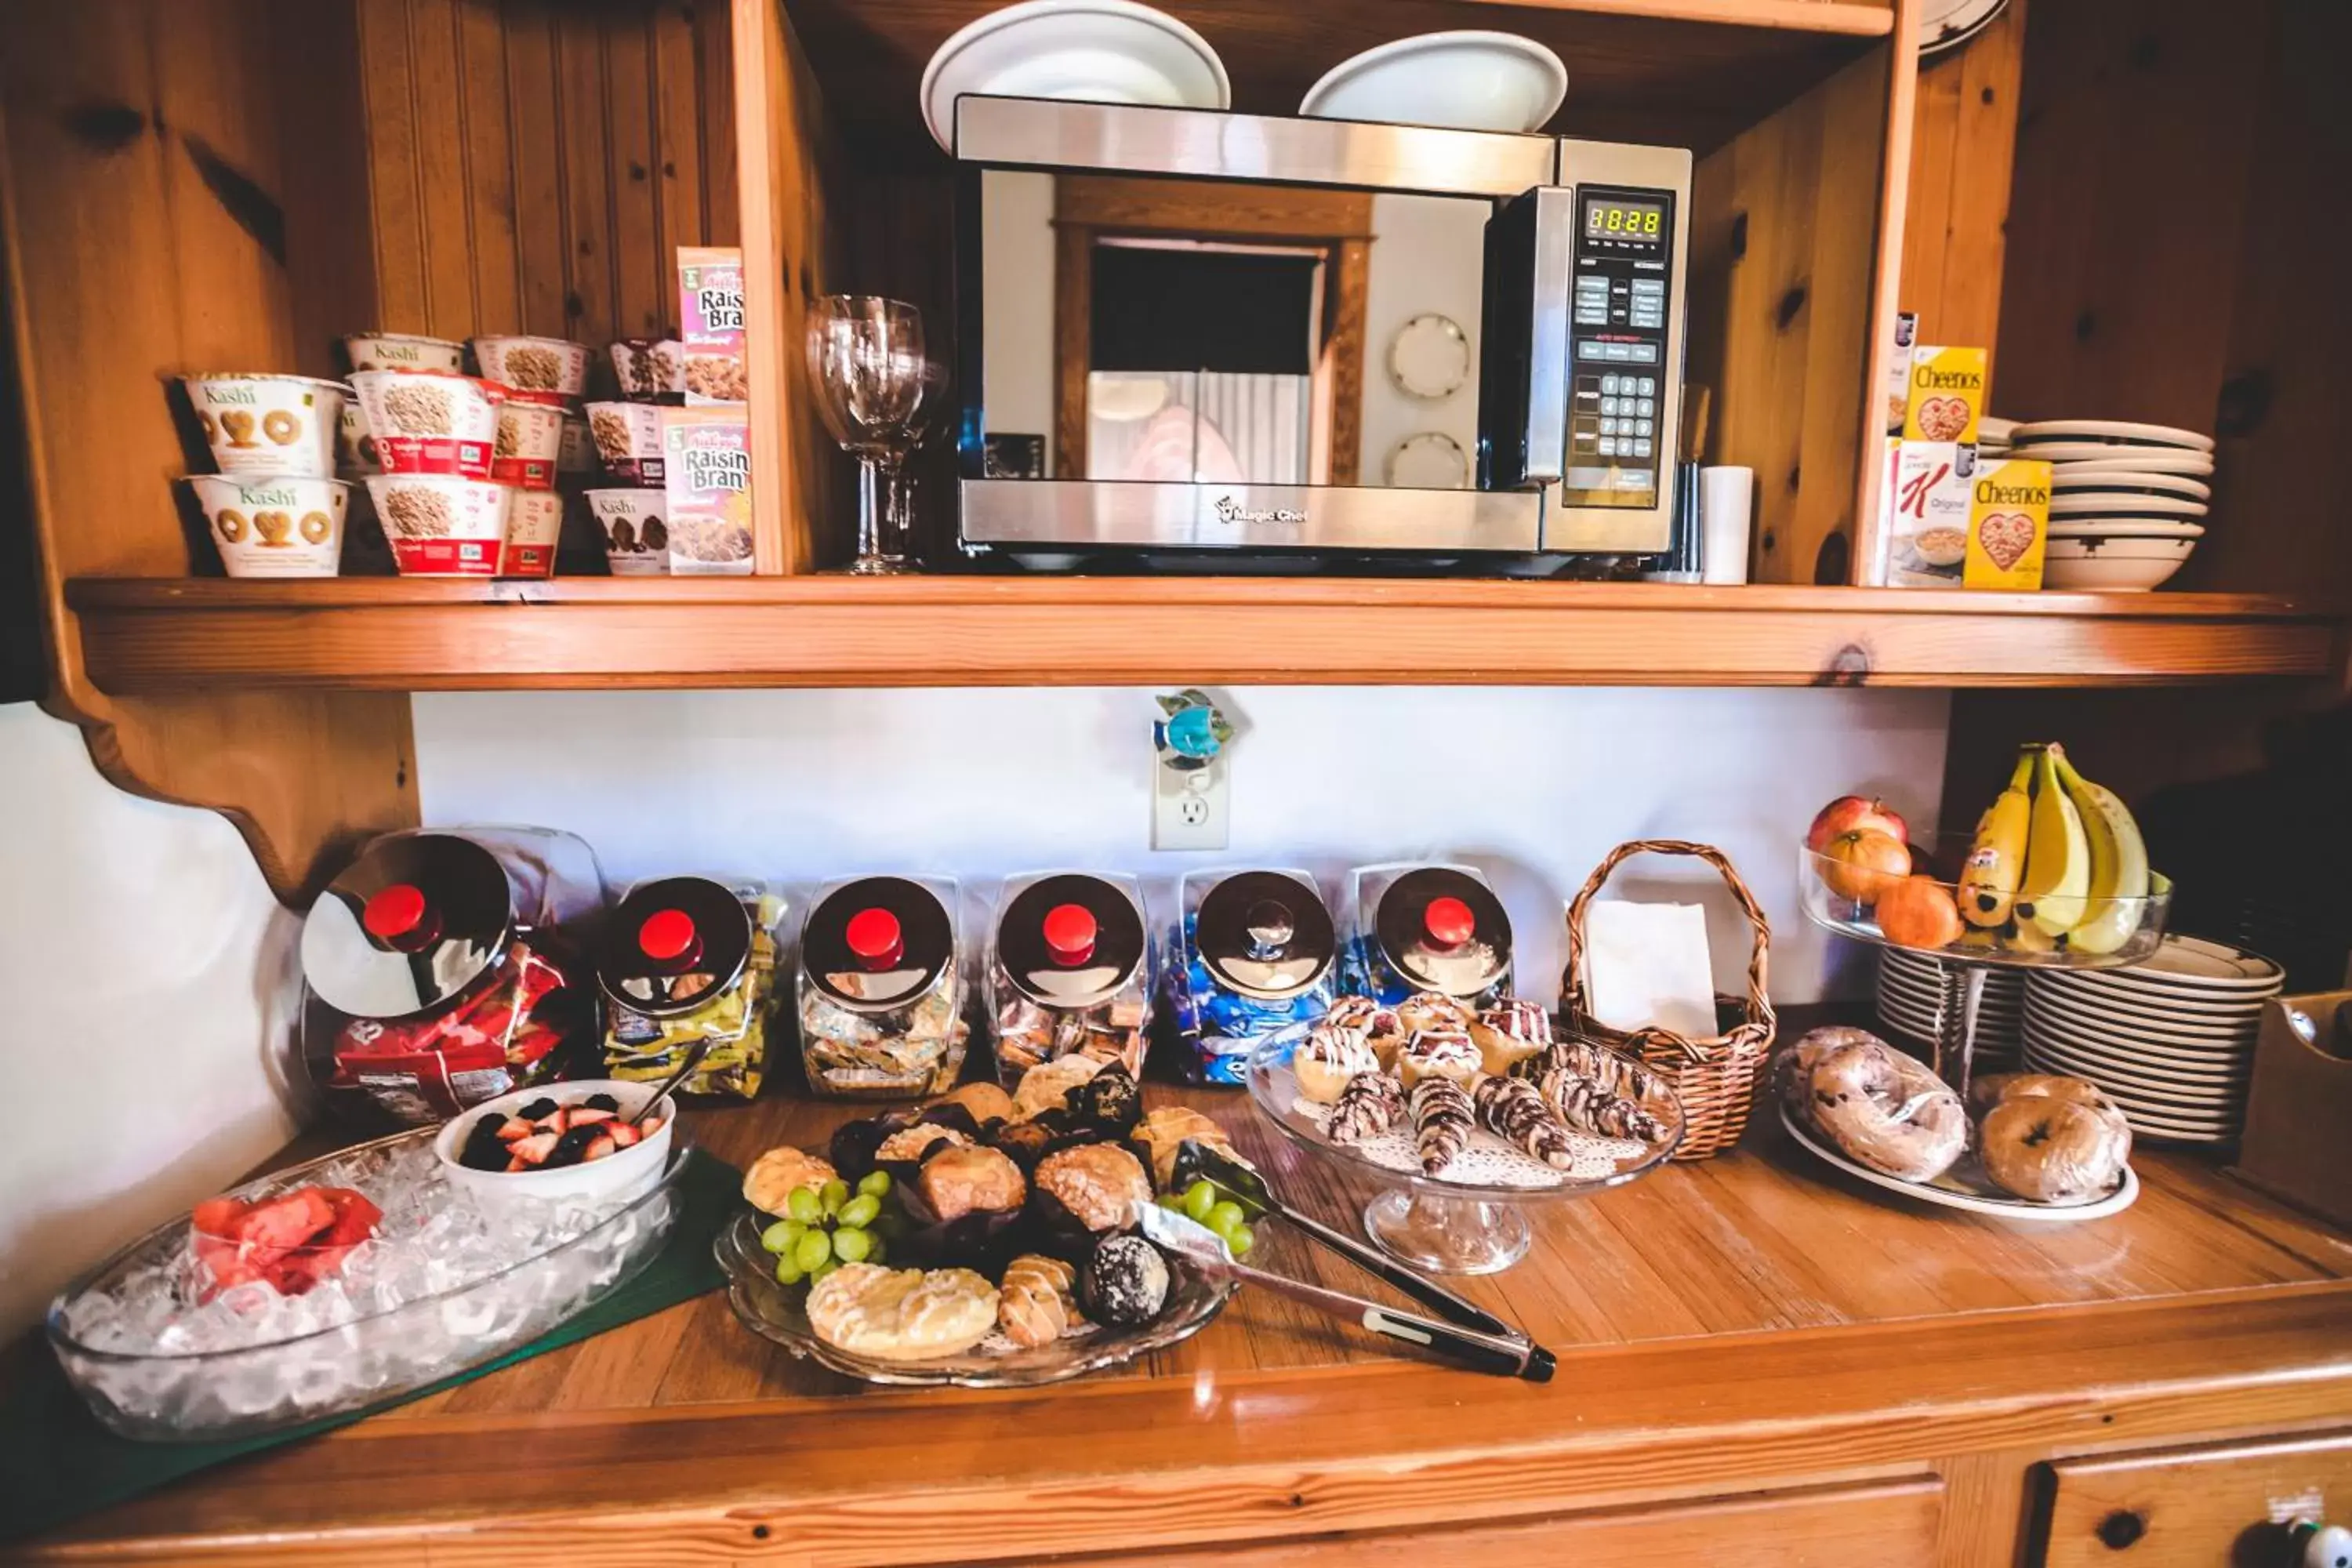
154,635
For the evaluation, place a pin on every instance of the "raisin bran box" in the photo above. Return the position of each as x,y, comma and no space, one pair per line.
710,307
706,475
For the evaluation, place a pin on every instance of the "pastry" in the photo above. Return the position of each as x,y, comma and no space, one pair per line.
1035,1302
774,1175
1583,1104
1125,1282
1509,1032
1162,1134
984,1100
1110,1102
1437,1053
1885,1111
1326,1058
960,1181
1046,1085
914,1143
2055,1139
1433,1010
1613,1072
1442,1122
1514,1112
903,1314
1371,1104
1026,1141
1379,1026
1100,1184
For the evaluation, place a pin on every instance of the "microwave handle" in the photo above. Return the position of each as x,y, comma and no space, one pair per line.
1547,366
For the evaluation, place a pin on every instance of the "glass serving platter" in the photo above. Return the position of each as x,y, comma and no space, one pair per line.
779,1312
1467,1221
149,1342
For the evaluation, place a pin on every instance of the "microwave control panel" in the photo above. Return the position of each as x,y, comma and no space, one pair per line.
1620,364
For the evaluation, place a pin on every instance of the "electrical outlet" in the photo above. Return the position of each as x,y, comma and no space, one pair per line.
1189,810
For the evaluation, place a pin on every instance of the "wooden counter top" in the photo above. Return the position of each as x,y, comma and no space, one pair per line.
1746,1324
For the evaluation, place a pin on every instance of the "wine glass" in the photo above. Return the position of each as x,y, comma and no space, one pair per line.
866,359
930,418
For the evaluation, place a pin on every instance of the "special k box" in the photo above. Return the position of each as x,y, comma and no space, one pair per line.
1947,394
2009,524
1952,519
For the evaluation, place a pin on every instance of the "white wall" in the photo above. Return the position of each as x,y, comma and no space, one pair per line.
1428,257
1534,784
144,964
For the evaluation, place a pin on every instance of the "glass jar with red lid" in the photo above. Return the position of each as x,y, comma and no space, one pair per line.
1436,928
1069,972
446,967
880,988
686,959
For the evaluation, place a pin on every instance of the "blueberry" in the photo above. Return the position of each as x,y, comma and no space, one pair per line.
572,1145
602,1102
538,1108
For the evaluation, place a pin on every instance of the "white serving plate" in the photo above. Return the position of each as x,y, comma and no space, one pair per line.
2109,432
1948,24
2142,1075
2217,1104
2102,528
2123,503
2197,964
2068,477
2213,1072
2220,1008
1097,51
2010,1008
1468,81
2122,460
2128,1032
2004,1207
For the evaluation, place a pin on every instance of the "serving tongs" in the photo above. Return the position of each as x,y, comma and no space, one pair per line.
1248,1189
1505,1355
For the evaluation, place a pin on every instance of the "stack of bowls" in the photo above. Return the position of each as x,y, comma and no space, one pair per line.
1911,1003
2170,1040
2126,501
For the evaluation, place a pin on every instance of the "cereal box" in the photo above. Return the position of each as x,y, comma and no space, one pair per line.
710,306
1947,394
1952,519
1898,371
2009,524
706,475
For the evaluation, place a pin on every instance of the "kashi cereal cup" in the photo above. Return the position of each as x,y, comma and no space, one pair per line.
629,439
529,441
650,369
431,421
442,525
538,369
636,539
268,426
402,350
274,528
534,524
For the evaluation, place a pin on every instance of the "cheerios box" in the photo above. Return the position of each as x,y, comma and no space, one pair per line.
2009,524
1947,394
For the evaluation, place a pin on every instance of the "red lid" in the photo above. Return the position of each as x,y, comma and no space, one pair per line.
666,934
875,937
1449,921
394,911
1070,932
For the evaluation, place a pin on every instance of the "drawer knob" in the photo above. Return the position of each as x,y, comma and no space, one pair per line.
2121,1528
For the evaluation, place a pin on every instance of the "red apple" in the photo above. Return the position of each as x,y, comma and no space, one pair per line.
1859,866
1856,814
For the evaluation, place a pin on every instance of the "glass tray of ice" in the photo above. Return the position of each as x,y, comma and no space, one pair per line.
192,1337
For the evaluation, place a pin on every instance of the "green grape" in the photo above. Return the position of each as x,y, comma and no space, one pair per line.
1199,1198
824,1269
859,1212
852,1246
889,1224
1222,1216
877,1248
812,1249
1240,1240
836,1193
804,1205
875,1183
1170,1201
789,1272
780,1236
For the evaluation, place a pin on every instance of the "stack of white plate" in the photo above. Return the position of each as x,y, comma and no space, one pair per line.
2126,501
1911,1002
2170,1040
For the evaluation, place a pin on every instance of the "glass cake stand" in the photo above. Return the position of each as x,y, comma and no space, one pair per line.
1468,1223
2128,931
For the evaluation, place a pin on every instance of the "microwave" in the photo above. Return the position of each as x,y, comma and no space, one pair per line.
1202,335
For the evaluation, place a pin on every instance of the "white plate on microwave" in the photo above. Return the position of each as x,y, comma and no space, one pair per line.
2109,432
1095,51
1469,80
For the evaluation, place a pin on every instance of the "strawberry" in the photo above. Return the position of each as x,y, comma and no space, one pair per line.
598,1147
587,1116
533,1150
515,1127
622,1134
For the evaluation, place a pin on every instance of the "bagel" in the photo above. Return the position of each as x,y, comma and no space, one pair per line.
1797,1064
1885,1111
2055,1149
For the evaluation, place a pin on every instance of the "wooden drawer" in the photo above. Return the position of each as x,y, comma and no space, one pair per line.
1888,1525
2220,1507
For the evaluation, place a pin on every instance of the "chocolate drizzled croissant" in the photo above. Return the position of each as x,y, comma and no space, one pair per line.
1513,1110
1611,1072
1442,1122
1371,1104
1587,1107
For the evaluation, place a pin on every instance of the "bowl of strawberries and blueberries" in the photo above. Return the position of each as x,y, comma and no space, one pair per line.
566,1140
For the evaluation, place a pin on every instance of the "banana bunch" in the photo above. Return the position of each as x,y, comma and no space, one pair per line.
2057,860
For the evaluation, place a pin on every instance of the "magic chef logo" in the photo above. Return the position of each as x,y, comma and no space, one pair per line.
1230,510
1990,494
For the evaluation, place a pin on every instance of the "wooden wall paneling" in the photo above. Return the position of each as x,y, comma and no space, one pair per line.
678,141
403,300
534,118
721,129
437,83
591,241
329,239
140,194
1963,147
490,168
644,277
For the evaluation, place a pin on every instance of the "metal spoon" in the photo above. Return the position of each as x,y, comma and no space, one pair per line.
694,1054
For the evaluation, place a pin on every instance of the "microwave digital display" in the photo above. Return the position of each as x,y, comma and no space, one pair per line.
1609,217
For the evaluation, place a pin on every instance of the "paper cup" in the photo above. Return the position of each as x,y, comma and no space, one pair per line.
636,536
629,440
530,439
443,525
275,528
534,524
404,351
537,369
650,369
431,421
268,426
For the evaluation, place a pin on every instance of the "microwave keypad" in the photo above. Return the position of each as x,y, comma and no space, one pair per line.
1618,330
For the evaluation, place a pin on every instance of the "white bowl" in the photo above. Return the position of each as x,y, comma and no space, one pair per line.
2112,565
1095,51
1466,80
2066,478
610,1182
2123,503
2112,432
2124,527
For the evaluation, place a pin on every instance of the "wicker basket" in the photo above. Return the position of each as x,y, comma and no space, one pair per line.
1715,1078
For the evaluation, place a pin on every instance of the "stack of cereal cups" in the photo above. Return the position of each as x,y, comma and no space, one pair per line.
631,510
543,378
274,507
